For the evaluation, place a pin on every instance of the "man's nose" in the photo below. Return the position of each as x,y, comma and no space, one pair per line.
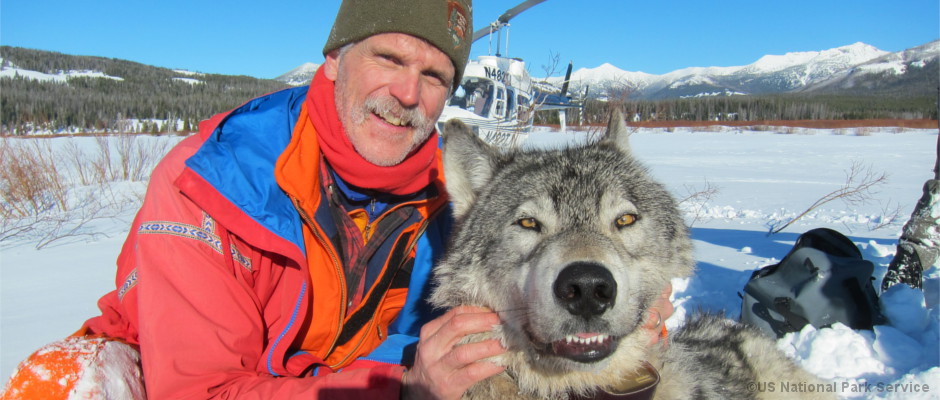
406,87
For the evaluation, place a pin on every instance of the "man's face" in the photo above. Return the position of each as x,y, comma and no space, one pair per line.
390,90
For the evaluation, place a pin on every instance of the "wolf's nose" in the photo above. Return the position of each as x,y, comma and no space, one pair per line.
585,289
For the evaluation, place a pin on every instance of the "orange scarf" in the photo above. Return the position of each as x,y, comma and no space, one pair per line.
417,171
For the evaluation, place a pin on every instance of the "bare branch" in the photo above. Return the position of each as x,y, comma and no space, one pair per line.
39,202
860,182
698,200
888,217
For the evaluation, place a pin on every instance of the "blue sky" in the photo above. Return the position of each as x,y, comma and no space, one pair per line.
267,39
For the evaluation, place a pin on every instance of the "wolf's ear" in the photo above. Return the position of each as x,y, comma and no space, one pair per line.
468,165
617,132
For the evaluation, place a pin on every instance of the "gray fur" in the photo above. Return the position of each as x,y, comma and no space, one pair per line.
524,217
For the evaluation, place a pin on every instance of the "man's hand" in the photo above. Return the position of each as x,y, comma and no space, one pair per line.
657,315
445,370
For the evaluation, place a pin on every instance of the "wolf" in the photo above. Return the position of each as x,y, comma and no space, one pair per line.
570,247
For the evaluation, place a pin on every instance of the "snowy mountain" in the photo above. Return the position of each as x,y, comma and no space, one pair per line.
797,71
902,71
300,75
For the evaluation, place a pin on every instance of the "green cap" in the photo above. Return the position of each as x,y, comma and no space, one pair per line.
446,24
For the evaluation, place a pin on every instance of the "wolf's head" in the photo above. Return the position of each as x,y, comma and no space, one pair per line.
570,246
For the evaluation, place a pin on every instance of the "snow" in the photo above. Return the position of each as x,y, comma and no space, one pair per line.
8,70
11,71
190,81
846,55
59,77
725,92
188,73
692,80
606,72
896,63
760,177
896,67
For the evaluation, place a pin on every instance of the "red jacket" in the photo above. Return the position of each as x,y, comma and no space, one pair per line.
224,275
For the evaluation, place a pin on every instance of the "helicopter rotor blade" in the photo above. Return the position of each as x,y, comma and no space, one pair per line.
564,85
504,19
513,12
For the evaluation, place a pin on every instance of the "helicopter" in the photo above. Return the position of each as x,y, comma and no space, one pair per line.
497,97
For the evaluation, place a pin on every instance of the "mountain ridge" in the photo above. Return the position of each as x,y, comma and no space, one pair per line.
791,72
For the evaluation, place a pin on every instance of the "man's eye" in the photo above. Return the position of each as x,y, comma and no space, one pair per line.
389,59
437,78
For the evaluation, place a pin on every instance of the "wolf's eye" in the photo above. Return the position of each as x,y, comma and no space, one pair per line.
529,223
626,220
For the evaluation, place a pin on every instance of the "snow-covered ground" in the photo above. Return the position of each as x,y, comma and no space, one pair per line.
757,179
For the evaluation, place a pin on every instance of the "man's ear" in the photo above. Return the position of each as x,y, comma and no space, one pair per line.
331,65
469,164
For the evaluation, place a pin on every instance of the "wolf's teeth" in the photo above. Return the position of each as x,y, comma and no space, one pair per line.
591,340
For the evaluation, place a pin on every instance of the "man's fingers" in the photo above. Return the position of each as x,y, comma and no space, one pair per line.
661,309
469,353
459,322
479,371
658,313
439,338
653,320
468,362
435,325
444,368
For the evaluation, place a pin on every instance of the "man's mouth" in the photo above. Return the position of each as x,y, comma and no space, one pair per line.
389,111
390,118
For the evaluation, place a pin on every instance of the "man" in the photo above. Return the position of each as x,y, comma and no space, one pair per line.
917,247
285,251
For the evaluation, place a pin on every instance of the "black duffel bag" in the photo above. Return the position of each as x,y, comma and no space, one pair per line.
821,281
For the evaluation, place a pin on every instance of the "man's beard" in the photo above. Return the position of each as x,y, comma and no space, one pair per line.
383,106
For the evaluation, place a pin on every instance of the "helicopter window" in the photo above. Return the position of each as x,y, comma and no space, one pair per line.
511,106
459,98
523,109
462,95
481,101
474,95
500,103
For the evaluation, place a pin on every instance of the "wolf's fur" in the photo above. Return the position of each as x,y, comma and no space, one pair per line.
534,227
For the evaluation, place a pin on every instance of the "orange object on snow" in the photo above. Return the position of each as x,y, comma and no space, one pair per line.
78,367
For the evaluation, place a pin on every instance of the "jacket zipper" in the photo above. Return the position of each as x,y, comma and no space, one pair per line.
368,228
336,268
421,229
